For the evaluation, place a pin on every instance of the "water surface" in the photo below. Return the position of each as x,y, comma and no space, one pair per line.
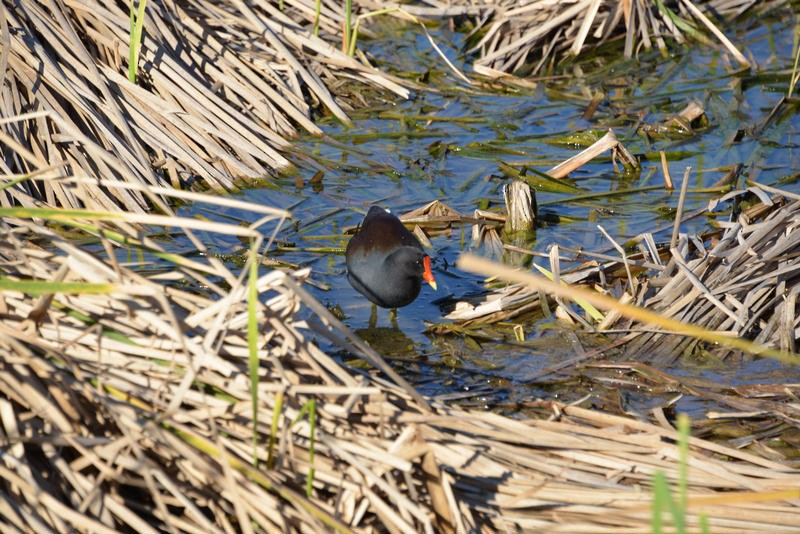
448,144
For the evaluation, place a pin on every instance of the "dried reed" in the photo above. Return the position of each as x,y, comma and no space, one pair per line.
222,87
130,408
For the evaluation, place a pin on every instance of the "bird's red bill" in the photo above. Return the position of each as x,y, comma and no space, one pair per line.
427,275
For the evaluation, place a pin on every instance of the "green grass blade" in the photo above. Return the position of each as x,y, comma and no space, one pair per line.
273,432
317,12
252,343
678,516
348,23
590,310
309,408
352,37
660,498
44,287
679,22
89,321
312,422
58,213
793,80
704,526
136,28
684,425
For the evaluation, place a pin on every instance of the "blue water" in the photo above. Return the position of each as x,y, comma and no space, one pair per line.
392,158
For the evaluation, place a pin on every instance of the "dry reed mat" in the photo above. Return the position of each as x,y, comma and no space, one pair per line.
221,88
743,281
525,38
740,280
126,404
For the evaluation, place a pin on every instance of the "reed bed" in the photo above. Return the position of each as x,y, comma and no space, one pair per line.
739,280
728,295
222,87
127,404
526,38
151,389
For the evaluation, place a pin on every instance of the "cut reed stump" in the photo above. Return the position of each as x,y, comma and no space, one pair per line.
520,202
126,403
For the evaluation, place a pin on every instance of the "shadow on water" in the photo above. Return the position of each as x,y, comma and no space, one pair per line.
390,342
452,144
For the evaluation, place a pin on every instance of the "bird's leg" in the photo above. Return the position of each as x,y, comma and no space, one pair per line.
393,318
373,316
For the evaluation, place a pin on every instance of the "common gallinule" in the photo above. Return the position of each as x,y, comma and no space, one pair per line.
385,262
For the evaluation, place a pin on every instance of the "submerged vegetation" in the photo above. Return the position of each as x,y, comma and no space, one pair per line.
147,385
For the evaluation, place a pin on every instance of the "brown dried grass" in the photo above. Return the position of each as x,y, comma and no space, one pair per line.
743,282
526,38
740,280
132,409
222,87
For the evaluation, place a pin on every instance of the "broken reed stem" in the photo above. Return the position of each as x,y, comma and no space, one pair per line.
485,267
679,212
